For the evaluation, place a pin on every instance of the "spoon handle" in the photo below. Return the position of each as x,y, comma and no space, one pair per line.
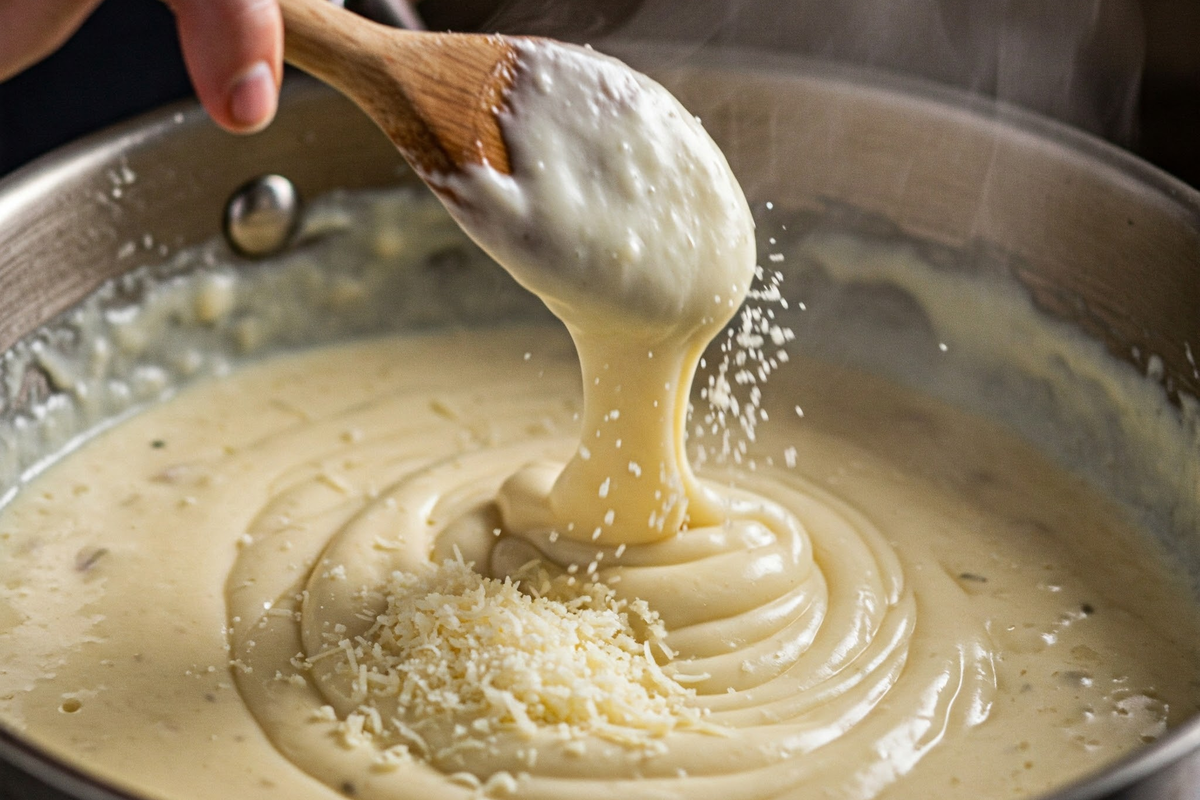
331,43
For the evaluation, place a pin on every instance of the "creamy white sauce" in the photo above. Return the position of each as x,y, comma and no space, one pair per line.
624,217
884,615
944,570
620,212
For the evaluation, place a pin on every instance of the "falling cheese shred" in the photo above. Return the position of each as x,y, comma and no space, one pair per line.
458,659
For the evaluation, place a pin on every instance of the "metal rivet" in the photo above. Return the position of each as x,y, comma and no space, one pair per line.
262,215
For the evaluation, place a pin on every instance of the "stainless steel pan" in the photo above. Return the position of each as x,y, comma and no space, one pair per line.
1098,238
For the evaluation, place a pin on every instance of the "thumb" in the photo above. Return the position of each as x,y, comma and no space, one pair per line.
234,55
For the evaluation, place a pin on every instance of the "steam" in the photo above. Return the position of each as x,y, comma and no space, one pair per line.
1079,61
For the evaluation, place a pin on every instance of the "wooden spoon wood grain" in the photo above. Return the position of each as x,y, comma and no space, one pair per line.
435,95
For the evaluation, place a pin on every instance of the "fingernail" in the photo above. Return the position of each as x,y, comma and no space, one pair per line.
253,99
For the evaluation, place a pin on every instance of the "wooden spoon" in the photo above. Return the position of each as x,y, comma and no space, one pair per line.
435,95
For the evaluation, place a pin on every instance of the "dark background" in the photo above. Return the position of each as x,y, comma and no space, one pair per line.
126,60
123,61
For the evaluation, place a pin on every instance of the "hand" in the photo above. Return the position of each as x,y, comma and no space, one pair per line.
233,49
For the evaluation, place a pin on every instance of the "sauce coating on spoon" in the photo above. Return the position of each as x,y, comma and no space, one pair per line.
622,214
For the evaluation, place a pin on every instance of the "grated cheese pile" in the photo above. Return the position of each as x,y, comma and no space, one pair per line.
477,657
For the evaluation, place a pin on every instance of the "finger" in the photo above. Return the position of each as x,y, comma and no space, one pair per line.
30,31
234,54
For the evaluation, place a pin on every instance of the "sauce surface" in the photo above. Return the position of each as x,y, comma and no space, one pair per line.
973,621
